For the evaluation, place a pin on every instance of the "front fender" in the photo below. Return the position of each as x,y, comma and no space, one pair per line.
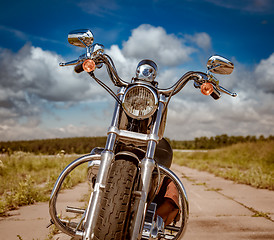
128,156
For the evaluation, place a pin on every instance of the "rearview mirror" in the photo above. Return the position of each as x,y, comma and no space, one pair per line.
81,38
220,65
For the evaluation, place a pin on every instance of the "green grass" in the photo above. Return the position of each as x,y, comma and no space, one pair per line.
27,178
248,163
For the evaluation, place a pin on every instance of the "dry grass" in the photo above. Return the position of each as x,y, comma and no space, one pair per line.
248,163
27,178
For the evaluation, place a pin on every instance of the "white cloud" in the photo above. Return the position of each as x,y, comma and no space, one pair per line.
250,113
167,50
154,43
32,83
125,66
30,80
202,40
192,114
37,72
265,74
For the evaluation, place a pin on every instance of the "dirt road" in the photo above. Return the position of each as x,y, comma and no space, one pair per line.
30,222
219,209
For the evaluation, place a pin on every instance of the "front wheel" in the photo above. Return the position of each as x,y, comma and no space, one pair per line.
115,204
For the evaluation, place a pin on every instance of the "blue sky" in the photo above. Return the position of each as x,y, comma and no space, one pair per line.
40,100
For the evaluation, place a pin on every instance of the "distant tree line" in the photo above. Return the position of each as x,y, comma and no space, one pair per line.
83,145
79,145
216,142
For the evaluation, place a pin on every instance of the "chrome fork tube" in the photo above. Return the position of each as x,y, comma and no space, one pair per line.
147,166
106,159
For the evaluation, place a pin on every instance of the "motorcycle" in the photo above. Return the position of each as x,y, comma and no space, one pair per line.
128,174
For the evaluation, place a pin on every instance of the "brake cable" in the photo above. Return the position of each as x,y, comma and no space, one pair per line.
107,88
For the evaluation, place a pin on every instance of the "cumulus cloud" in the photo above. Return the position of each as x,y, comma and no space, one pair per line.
30,80
250,113
148,41
167,50
264,73
192,114
125,66
33,85
202,40
37,72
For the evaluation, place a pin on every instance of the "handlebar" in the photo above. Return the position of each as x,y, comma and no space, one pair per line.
78,68
198,77
215,94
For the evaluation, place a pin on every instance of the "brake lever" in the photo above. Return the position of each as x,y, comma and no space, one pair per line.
222,89
215,82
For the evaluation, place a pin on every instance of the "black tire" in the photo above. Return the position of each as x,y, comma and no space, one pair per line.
113,215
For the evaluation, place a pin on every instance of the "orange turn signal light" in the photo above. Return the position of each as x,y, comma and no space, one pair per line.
206,88
88,65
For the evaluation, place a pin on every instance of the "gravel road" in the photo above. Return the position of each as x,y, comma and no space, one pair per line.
219,209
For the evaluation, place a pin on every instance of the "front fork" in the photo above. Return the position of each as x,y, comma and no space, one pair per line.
147,166
107,157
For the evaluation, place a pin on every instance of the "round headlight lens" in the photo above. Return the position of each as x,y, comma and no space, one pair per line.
140,102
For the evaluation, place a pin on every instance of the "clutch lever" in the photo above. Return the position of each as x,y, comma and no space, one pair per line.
74,62
97,50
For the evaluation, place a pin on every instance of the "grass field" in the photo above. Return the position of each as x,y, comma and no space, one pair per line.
248,163
27,178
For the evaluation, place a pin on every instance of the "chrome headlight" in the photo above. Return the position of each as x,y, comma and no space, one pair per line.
146,70
140,102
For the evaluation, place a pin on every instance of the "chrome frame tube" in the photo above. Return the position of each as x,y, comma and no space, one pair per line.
54,194
184,199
